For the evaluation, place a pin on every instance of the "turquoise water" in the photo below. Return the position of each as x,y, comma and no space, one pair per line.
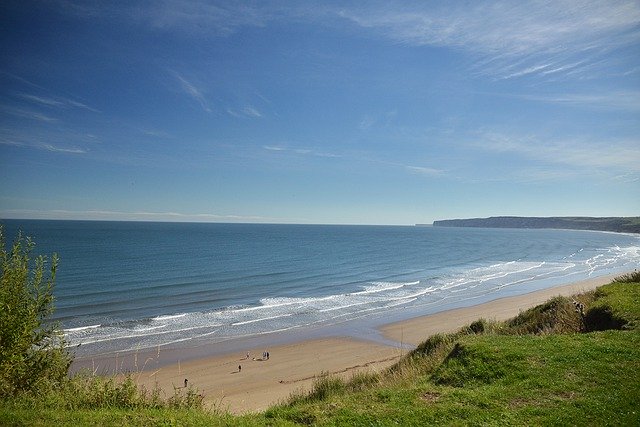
133,285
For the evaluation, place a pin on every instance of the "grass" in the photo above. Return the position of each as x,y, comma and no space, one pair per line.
500,380
551,365
616,306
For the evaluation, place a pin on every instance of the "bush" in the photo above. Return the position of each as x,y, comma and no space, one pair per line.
556,316
32,352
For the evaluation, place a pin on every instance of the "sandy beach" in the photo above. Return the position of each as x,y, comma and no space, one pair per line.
290,368
260,383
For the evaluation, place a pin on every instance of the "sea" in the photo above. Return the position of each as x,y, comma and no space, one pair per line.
125,286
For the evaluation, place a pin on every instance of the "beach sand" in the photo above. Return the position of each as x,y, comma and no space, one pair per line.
292,367
262,383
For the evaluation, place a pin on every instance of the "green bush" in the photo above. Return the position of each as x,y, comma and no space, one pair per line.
32,352
556,316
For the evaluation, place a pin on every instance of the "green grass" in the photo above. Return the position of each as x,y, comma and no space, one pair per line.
550,365
500,380
616,305
108,417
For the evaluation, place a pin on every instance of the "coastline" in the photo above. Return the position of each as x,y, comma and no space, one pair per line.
292,367
414,331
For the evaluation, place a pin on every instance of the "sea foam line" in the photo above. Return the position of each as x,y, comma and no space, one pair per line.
383,286
169,316
81,328
246,322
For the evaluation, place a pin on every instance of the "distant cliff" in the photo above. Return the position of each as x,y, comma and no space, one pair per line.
617,224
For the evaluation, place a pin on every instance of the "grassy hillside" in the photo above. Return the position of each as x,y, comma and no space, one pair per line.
558,363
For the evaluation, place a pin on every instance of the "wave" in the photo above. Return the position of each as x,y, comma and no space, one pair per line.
169,316
81,328
343,303
246,322
377,287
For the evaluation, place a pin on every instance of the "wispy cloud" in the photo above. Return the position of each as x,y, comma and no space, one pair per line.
42,146
529,70
52,140
273,148
191,90
421,170
252,112
11,142
627,178
627,100
203,17
42,100
153,132
57,102
28,114
136,216
57,149
577,152
247,111
199,18
413,169
300,151
21,80
504,33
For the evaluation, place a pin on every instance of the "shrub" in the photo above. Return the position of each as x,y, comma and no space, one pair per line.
32,352
557,315
478,327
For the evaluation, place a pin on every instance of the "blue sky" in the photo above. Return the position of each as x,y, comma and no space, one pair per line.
319,112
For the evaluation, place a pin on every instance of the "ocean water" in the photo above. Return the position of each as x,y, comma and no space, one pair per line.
134,285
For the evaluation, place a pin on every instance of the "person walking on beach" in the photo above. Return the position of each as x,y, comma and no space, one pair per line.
239,368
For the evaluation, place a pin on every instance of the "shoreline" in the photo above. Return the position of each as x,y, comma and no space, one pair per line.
414,331
293,366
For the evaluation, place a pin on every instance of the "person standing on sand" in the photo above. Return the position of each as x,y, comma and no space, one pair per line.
239,368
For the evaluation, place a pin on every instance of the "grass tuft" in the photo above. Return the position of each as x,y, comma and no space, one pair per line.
633,277
556,316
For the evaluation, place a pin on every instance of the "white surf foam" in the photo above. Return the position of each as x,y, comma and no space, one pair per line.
81,328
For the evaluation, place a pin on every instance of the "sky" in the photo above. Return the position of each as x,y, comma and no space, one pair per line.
358,112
